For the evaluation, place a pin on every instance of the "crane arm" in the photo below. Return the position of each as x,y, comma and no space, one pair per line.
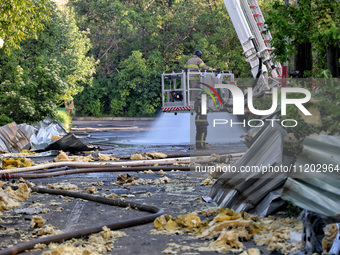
254,37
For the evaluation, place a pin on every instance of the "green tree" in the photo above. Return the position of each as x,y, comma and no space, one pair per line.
42,71
21,19
307,25
173,29
138,91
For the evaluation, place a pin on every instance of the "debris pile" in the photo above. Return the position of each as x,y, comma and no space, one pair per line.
112,195
330,234
91,190
156,154
106,157
148,155
12,198
12,162
96,244
137,157
128,179
125,178
48,230
37,222
228,229
63,186
64,157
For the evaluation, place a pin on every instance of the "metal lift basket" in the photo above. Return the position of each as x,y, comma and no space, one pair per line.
176,89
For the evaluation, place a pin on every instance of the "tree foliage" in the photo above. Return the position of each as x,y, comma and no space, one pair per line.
312,21
136,41
43,71
21,19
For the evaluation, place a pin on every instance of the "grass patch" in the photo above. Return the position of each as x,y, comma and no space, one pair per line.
64,118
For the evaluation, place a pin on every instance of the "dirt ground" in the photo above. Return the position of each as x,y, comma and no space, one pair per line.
180,194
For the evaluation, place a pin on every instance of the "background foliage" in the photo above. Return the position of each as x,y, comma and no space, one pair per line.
52,54
136,41
315,22
21,19
42,71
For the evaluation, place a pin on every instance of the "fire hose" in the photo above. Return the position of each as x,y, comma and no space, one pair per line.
166,161
86,167
156,211
95,170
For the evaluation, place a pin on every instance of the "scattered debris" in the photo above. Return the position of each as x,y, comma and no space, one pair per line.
92,190
161,172
277,234
2,184
228,228
206,199
167,222
28,183
39,246
45,210
54,203
164,179
253,251
61,157
147,194
48,230
36,204
147,172
226,241
125,178
207,181
127,195
130,180
64,157
208,212
97,183
96,244
104,157
112,195
330,234
156,154
63,186
11,162
10,198
37,222
175,171
136,157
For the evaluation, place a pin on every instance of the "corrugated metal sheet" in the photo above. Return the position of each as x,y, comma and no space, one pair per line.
244,191
12,139
313,186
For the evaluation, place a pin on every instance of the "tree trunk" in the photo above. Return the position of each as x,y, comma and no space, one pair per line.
333,57
303,58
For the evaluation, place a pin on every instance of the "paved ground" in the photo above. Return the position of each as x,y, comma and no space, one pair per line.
182,194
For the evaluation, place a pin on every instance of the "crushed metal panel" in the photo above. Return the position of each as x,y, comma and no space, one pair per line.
244,191
28,130
313,189
46,129
71,143
12,139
